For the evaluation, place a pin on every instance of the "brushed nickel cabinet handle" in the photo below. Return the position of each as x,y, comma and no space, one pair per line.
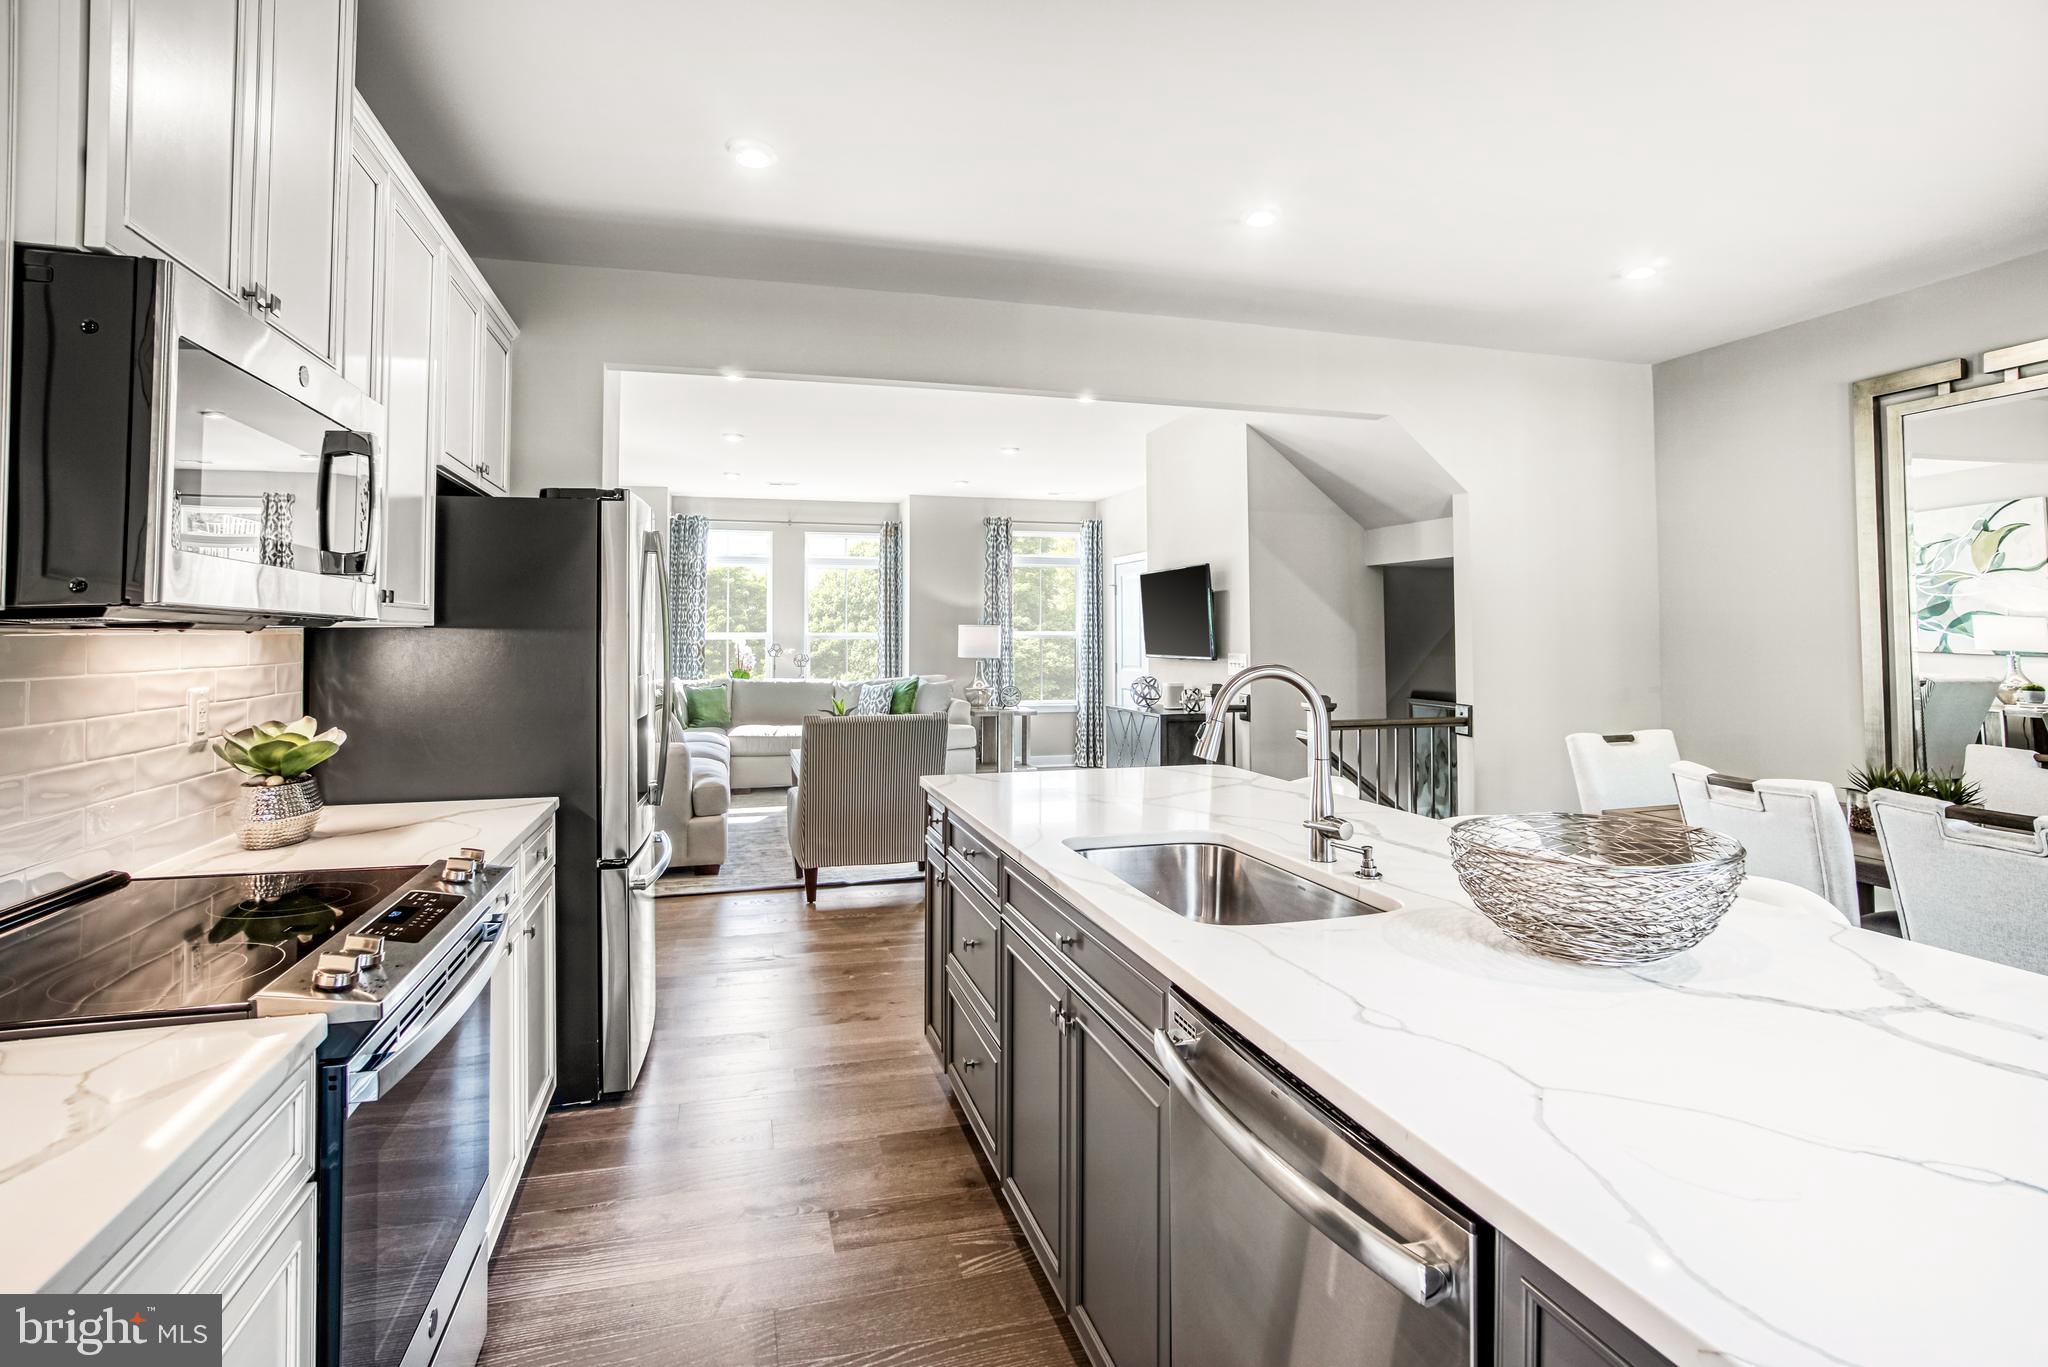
970,944
1069,941
970,1063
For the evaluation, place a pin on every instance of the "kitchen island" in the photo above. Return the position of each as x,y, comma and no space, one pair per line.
1798,1143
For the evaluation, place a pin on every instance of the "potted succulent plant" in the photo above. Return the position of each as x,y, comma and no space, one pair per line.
1950,788
279,802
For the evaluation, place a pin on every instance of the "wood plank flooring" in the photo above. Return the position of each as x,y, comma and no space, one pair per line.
790,1183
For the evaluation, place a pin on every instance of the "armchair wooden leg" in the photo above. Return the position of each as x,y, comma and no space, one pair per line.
810,885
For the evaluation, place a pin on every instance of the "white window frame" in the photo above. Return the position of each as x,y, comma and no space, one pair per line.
765,563
840,562
1073,561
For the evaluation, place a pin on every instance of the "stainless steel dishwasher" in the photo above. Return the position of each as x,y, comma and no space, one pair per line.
1293,1244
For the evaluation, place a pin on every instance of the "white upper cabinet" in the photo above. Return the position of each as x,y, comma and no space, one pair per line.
213,132
412,260
307,88
461,341
494,399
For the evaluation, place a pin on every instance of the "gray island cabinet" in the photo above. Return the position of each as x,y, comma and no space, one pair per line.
1042,1024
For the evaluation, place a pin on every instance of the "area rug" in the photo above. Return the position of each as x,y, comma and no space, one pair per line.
757,855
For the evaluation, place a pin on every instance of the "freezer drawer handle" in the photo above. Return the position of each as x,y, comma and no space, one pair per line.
1408,1267
651,877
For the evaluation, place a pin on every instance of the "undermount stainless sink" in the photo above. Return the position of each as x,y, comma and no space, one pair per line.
1218,885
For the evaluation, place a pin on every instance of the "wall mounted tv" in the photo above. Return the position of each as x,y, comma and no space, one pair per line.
1180,613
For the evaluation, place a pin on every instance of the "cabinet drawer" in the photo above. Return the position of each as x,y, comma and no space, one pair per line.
935,823
204,1230
1087,950
976,854
971,935
536,860
971,1063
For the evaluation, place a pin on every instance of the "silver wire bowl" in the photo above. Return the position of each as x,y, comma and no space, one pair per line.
1597,889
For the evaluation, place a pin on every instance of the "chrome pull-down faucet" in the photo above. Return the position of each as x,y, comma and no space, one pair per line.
1324,825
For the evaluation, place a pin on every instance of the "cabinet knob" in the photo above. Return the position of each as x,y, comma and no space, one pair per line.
970,1063
970,944
530,931
1069,941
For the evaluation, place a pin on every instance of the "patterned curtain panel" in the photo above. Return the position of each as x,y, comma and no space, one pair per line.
688,564
999,674
1090,692
892,600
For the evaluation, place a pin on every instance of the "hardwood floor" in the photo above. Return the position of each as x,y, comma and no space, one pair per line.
789,1184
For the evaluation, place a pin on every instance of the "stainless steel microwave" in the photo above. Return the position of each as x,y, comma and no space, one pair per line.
173,460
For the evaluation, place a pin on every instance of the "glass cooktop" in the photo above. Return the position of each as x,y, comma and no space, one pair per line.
120,951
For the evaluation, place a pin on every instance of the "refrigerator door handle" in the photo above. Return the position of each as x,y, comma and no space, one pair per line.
666,684
642,882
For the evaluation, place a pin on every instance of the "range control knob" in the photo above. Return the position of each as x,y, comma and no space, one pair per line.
368,949
472,853
335,972
458,870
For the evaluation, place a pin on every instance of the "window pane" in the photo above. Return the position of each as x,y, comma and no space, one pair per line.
1045,543
863,660
717,659
844,600
736,599
1043,598
1045,668
828,659
840,545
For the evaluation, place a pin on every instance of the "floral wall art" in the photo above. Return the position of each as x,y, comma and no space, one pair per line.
1976,561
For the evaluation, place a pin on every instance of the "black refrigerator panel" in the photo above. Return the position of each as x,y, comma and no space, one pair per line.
498,699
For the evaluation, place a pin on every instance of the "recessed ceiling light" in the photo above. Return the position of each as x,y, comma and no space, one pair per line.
782,484
755,156
1057,493
1013,450
960,481
734,436
732,376
732,474
1261,218
1643,271
1085,396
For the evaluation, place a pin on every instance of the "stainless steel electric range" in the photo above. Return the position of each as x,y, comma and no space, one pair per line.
399,961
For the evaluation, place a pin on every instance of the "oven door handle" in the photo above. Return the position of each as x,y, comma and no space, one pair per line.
371,1083
1409,1268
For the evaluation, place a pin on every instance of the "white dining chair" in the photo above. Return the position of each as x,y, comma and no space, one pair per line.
1967,878
1952,716
1628,769
2008,778
1791,829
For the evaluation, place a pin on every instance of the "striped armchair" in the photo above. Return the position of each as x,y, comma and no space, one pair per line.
855,798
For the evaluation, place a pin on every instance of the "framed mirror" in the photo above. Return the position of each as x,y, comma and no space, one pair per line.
1952,511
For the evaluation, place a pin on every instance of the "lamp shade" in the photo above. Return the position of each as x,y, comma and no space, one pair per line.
2027,635
980,642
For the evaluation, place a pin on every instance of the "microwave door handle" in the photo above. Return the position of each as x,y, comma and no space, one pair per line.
372,1083
326,502
1409,1268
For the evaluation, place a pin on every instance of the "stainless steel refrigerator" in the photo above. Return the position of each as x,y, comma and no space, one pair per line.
543,675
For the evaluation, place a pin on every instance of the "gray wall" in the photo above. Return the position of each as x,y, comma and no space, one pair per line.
1756,522
1421,635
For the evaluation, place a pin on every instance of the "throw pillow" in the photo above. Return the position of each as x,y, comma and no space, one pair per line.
874,699
903,696
709,705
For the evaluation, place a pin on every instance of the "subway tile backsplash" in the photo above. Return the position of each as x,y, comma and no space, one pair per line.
95,771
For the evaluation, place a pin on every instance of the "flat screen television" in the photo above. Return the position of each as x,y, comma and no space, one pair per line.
1180,613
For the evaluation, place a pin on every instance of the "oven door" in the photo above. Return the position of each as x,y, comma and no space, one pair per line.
266,496
406,1207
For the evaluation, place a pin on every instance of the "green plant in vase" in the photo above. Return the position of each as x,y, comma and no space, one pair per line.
1945,785
279,802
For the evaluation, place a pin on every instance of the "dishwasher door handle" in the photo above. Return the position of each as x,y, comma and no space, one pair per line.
1409,1268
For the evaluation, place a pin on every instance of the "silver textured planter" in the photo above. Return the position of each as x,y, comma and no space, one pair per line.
269,816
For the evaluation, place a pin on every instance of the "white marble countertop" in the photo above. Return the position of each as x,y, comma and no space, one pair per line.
1797,1144
101,1129
380,834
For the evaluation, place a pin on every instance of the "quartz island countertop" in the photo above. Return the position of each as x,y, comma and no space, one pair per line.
97,1131
379,834
1797,1144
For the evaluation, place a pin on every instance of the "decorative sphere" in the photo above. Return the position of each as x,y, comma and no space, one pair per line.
1145,690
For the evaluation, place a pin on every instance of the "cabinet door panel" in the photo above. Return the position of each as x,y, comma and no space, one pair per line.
1034,1040
305,131
1542,1320
359,281
494,383
934,949
1117,1168
508,1075
171,168
267,1316
537,1008
461,336
412,253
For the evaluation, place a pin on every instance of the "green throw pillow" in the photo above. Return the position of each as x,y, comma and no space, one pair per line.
707,706
904,698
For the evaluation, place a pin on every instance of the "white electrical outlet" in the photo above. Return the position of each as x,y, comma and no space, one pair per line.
198,710
1236,660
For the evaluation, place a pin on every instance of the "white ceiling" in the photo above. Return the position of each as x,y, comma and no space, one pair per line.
815,440
1477,172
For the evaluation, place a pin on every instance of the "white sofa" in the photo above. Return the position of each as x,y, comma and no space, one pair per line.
768,719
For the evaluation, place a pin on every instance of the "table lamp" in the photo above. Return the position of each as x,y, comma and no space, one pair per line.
979,642
2012,637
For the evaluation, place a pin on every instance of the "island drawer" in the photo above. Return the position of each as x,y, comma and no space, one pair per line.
976,854
971,935
971,1063
1090,952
